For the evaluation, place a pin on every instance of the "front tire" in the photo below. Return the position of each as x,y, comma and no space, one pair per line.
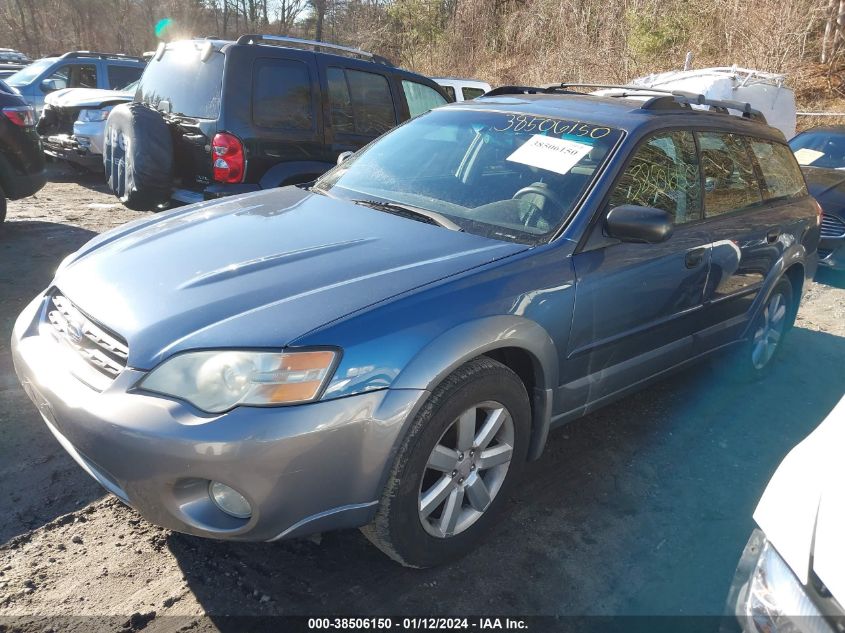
452,476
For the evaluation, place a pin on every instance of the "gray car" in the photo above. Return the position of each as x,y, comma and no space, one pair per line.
387,347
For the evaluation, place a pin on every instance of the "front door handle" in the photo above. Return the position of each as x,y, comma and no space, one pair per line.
694,257
772,236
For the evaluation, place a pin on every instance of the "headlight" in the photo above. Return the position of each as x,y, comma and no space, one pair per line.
216,381
776,602
91,116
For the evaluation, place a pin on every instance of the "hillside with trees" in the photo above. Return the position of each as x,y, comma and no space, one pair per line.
501,41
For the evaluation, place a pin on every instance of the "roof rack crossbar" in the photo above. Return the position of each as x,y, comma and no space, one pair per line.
257,38
98,55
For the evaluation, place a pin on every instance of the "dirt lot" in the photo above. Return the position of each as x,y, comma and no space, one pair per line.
642,508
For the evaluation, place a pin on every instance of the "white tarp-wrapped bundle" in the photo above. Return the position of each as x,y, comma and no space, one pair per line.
764,91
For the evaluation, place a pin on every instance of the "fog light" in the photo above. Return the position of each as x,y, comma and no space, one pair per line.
229,500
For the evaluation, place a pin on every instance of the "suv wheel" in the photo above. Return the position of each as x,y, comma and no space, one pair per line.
463,453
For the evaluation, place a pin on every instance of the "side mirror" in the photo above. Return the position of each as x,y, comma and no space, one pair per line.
50,85
631,223
343,156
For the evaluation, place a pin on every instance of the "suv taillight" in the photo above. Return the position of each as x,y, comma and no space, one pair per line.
23,116
227,154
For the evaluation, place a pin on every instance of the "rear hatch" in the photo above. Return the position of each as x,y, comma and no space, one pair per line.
186,87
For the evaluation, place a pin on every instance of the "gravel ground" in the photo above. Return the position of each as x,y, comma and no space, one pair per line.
641,508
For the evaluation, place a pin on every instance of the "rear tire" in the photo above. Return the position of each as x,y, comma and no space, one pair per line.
758,354
433,510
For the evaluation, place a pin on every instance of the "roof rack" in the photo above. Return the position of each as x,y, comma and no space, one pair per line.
75,54
664,99
257,38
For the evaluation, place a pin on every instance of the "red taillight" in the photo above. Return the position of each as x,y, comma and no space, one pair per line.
23,116
227,154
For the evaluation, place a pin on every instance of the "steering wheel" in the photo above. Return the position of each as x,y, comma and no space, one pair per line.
542,190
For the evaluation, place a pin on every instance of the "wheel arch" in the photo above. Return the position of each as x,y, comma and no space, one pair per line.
518,343
293,172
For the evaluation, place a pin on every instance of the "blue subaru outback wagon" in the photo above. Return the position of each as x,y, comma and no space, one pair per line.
387,347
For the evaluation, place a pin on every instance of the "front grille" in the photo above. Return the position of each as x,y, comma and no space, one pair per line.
832,226
105,351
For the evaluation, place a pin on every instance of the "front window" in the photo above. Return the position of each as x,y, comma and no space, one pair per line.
819,148
507,176
421,98
26,76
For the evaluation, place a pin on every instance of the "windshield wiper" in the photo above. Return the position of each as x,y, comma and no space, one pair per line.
413,213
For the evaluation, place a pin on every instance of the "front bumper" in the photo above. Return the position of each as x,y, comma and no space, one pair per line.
767,597
73,149
304,469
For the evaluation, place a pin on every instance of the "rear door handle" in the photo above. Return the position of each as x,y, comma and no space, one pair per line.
694,257
772,236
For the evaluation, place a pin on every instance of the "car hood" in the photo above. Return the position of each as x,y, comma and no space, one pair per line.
85,97
258,270
802,510
828,187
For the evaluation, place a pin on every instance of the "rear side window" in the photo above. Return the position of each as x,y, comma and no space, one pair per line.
361,102
282,96
664,174
421,98
122,76
782,178
471,93
449,90
730,183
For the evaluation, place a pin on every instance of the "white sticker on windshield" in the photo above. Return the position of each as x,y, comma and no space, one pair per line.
806,156
552,154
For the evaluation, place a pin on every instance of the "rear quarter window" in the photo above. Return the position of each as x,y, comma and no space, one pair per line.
282,96
782,177
471,93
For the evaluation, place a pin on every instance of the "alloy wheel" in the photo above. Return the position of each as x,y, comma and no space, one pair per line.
466,469
768,335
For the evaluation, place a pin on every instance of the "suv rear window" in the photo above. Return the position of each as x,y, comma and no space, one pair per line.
282,97
185,84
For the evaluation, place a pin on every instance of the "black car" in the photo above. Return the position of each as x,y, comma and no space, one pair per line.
821,153
213,118
21,158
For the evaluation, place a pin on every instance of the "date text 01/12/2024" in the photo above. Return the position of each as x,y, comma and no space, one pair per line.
417,623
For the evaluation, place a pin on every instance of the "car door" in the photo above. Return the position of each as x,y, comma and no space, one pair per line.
637,305
751,221
285,111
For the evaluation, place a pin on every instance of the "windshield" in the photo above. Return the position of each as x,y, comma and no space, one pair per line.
507,176
820,148
131,87
181,83
25,75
